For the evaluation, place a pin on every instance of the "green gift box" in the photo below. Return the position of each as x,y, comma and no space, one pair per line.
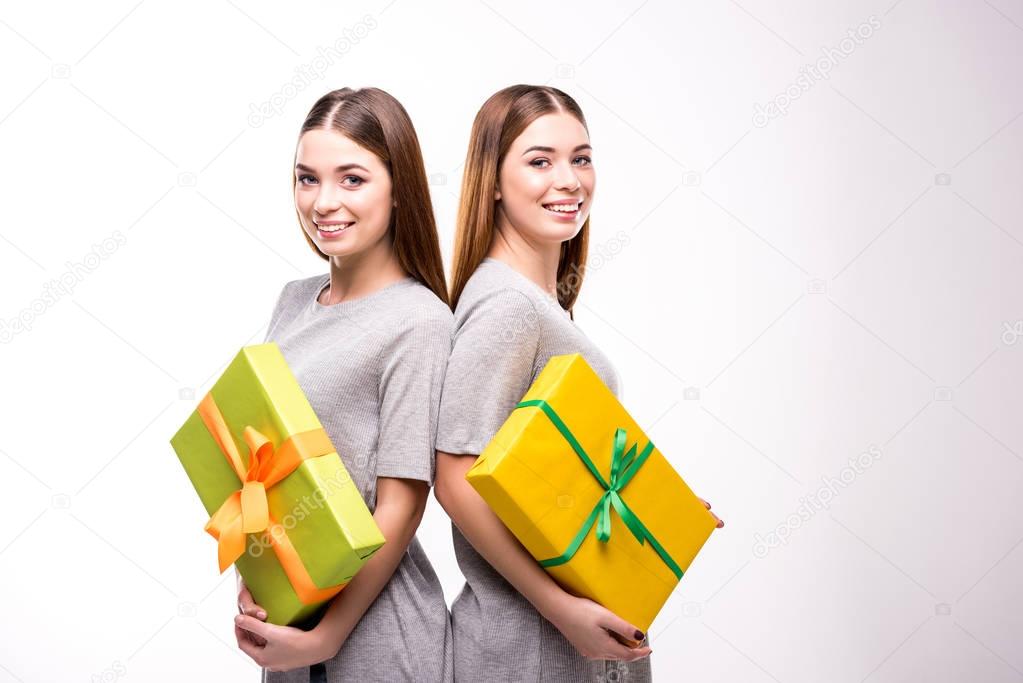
283,507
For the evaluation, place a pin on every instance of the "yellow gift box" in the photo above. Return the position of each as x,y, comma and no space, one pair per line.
576,480
282,506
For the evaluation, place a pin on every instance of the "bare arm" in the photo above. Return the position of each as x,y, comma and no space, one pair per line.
491,538
582,621
400,505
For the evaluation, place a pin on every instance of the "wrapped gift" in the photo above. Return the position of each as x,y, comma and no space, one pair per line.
282,506
576,480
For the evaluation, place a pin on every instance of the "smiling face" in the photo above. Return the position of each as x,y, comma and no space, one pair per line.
342,193
546,180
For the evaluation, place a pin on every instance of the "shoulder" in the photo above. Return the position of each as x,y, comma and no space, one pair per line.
296,288
422,299
503,312
417,303
415,312
490,293
294,295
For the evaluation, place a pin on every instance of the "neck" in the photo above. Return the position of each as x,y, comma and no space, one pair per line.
356,275
535,259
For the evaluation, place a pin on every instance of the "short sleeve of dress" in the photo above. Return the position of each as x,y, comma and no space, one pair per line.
411,379
491,367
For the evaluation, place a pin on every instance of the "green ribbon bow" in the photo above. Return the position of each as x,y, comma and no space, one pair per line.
624,465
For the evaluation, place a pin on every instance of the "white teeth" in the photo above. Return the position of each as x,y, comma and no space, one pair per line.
562,208
332,228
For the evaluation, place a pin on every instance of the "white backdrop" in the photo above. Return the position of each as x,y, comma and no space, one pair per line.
808,268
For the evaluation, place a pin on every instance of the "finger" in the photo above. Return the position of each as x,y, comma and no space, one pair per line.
614,650
638,653
247,604
241,634
249,647
705,503
627,642
258,640
254,625
254,651
613,622
633,650
720,521
252,610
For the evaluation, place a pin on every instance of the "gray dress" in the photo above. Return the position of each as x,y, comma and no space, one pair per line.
506,328
372,369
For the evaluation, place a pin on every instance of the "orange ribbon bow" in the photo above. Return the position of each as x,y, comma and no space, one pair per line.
246,512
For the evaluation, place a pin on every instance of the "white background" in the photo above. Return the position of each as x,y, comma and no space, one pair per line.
847,276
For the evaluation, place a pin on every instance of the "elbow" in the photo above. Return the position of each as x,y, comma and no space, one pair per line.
441,491
447,483
450,487
414,513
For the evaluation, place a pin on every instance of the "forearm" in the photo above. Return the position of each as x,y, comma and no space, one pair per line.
491,538
398,521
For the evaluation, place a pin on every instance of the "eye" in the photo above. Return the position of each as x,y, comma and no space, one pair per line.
306,179
582,160
540,162
352,181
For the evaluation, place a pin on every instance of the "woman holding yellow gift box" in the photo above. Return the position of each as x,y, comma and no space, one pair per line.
520,253
368,342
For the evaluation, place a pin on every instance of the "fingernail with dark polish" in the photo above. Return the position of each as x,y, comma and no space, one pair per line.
639,634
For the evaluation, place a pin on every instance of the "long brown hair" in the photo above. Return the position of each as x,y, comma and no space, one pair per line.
502,118
375,120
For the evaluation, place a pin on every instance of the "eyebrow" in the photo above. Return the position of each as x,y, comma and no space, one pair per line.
340,169
551,150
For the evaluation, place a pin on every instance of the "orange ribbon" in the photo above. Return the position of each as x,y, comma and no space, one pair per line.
246,512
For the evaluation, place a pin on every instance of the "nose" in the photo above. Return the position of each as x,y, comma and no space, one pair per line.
565,178
328,199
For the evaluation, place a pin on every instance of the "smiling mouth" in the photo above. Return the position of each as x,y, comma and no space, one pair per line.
562,209
334,229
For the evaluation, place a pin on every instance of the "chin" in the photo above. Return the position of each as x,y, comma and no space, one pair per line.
330,247
336,250
559,232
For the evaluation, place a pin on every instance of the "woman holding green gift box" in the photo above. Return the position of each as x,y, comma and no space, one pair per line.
520,254
368,343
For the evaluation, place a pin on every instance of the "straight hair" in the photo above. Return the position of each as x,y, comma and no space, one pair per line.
375,120
502,118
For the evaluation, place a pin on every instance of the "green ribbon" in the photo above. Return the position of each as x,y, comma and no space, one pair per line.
624,465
